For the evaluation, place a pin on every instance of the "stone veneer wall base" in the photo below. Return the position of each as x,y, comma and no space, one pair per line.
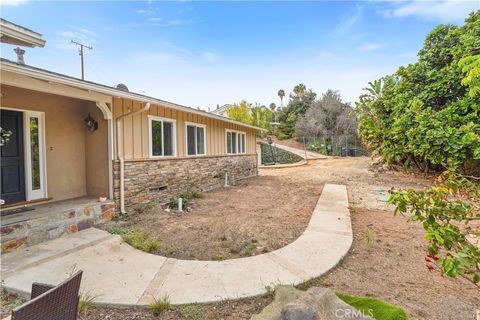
161,179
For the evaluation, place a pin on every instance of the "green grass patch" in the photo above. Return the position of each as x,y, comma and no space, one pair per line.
140,240
374,308
117,230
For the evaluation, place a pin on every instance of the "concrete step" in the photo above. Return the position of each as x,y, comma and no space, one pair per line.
48,222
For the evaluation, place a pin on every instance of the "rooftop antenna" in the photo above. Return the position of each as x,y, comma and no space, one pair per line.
80,52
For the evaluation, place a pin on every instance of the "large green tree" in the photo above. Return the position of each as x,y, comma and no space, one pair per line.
300,100
329,118
259,116
427,115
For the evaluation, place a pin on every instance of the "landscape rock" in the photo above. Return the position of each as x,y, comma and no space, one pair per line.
314,304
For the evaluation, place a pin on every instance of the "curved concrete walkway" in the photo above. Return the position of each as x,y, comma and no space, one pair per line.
120,275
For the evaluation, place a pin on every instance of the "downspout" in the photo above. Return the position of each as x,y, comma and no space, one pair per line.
120,155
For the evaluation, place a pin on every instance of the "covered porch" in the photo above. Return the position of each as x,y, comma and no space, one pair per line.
56,159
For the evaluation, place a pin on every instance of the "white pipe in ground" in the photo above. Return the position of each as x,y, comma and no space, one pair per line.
226,179
180,204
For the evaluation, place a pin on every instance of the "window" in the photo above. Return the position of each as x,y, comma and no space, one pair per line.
35,152
162,137
235,142
196,139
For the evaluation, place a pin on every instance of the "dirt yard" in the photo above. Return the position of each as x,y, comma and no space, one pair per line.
261,214
257,215
386,260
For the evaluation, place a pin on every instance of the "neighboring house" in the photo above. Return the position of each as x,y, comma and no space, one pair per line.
223,110
72,138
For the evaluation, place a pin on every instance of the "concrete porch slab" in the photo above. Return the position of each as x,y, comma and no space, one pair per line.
120,275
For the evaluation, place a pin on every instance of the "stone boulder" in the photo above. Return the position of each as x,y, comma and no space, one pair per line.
314,304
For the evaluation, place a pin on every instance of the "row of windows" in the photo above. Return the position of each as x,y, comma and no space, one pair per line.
162,139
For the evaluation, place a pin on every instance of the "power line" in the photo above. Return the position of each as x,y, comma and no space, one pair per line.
80,52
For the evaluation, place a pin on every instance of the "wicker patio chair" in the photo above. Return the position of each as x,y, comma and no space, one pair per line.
51,302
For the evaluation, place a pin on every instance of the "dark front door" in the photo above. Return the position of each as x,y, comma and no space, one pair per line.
12,158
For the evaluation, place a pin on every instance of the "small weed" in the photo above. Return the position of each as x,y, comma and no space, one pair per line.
235,250
269,289
245,249
186,197
147,206
160,305
248,249
119,217
196,194
85,302
17,302
192,312
141,240
117,230
369,236
218,257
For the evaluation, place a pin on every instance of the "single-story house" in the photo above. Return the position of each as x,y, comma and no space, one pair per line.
68,138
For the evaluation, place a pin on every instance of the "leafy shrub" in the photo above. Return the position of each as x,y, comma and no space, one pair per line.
445,210
315,145
426,116
141,240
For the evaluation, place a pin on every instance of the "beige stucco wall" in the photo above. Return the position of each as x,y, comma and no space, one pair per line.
67,153
133,137
96,155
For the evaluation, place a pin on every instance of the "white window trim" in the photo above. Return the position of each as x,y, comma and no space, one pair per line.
204,126
150,143
226,142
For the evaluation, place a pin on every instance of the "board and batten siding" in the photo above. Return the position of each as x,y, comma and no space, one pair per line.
134,140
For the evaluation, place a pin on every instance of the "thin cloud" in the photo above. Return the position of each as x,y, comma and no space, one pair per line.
63,41
443,10
159,22
345,25
369,47
12,3
210,57
145,12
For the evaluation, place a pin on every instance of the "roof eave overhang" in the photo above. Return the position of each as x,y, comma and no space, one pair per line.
48,76
17,36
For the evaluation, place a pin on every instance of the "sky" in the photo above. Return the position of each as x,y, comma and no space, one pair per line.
204,54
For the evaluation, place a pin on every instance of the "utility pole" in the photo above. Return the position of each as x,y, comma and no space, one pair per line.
80,52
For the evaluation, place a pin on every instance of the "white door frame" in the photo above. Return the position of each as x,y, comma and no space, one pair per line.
41,193
30,193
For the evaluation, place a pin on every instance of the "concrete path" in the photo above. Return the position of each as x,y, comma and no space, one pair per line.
300,152
120,275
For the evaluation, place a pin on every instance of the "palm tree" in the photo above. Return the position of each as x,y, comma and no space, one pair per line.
300,89
273,106
281,94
